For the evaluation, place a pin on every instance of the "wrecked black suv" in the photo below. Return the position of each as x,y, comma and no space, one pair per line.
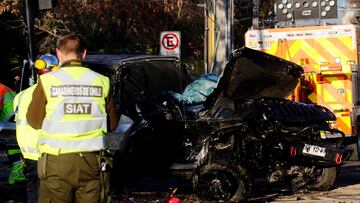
225,131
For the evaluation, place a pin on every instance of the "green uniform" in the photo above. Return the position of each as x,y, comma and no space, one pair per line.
6,102
16,173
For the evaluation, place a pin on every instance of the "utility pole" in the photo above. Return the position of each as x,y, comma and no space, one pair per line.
224,39
209,34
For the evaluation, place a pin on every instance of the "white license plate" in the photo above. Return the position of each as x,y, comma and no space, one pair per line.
314,150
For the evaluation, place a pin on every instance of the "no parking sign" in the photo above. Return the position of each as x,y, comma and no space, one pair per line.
170,43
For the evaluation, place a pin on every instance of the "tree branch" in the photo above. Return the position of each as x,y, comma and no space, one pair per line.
45,30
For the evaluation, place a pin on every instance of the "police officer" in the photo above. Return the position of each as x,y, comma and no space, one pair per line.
26,136
73,107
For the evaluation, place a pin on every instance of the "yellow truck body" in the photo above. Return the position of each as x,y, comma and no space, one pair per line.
329,56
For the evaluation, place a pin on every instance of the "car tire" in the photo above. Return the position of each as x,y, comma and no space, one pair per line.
324,181
220,182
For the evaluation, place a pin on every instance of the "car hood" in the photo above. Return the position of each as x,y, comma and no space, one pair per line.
251,74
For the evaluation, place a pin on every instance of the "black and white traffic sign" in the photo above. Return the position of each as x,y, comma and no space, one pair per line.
170,43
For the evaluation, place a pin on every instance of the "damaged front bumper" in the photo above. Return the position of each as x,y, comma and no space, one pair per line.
323,154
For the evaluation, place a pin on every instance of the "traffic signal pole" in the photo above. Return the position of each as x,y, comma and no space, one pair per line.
30,29
27,72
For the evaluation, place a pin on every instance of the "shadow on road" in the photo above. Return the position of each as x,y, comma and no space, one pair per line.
349,175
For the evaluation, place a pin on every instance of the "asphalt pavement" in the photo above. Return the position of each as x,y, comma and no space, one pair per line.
346,189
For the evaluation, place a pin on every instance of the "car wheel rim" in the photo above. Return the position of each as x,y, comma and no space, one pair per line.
217,185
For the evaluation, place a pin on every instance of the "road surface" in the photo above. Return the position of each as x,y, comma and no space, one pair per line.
346,190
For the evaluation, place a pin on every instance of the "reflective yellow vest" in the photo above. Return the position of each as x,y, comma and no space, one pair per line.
27,137
76,119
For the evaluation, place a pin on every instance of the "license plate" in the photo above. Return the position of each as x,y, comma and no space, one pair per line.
314,150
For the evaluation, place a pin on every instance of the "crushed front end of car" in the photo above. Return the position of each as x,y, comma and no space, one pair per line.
261,134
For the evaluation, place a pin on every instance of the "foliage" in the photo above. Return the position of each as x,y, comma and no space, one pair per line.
10,6
12,45
119,25
122,25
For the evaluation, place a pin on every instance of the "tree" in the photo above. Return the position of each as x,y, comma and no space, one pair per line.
127,25
113,25
12,41
122,26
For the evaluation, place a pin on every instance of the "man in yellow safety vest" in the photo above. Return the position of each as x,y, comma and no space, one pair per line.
74,109
26,136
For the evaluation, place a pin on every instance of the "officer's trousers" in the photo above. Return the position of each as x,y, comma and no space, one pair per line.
73,177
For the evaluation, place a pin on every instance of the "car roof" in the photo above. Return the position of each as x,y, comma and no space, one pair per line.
111,59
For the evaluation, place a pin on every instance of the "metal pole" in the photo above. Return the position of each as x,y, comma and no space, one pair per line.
230,27
29,12
206,37
30,29
215,51
22,74
255,18
224,32
206,34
